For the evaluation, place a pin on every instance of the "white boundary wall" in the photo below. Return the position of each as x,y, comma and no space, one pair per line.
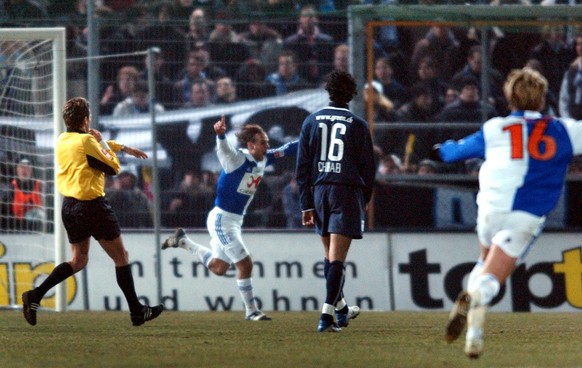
400,271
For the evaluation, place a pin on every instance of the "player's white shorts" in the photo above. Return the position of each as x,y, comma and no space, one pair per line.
515,232
225,230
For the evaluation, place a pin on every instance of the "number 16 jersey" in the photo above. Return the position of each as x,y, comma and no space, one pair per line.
335,147
526,160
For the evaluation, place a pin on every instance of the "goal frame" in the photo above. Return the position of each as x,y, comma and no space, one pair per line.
57,36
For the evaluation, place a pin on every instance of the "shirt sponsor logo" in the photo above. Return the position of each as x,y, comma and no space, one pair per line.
335,118
106,153
249,184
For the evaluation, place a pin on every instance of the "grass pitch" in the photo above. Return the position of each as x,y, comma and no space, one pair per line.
224,339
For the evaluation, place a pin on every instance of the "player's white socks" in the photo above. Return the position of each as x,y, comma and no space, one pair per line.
341,304
245,287
483,289
201,252
475,272
475,321
328,309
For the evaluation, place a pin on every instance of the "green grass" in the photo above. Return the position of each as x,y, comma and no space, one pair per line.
224,339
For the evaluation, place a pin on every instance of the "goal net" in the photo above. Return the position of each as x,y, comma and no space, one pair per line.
32,90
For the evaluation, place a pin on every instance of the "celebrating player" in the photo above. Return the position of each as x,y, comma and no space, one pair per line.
241,174
526,160
84,158
335,174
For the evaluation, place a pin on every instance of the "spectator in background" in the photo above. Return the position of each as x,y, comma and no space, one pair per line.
473,68
291,204
426,167
76,72
129,202
420,107
190,200
341,59
287,78
167,36
225,91
24,10
551,104
393,89
210,68
137,103
120,6
389,164
183,9
193,72
263,42
23,199
571,90
383,107
250,80
442,47
198,32
414,145
451,95
468,107
427,74
554,55
162,79
223,44
313,48
124,35
199,96
223,31
127,78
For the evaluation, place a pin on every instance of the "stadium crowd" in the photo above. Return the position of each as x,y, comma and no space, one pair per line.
215,53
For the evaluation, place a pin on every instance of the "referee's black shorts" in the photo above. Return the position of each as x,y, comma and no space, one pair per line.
339,209
83,219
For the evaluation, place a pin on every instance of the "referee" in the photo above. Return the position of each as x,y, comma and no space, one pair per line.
84,159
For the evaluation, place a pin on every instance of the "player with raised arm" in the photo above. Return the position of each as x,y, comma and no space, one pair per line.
241,174
335,174
526,161
84,159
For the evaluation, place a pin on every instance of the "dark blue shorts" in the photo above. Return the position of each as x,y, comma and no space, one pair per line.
83,219
339,209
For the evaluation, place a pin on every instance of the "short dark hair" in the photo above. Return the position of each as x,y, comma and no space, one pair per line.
467,80
75,111
247,134
341,87
419,89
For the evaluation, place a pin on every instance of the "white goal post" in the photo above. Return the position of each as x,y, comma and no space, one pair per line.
32,93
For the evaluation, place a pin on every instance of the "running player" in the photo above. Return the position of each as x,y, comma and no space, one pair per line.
242,172
526,161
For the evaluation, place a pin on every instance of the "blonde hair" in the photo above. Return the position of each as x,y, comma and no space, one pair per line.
525,89
129,71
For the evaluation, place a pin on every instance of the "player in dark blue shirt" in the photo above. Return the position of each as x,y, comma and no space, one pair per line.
335,174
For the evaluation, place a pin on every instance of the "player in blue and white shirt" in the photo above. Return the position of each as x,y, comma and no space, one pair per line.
242,172
526,161
335,175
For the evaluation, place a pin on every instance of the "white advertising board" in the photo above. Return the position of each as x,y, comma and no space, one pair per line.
385,271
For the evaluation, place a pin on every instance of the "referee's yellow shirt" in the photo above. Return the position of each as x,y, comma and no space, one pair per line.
83,163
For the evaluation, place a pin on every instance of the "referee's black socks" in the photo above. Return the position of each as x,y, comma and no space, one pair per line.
125,282
59,274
